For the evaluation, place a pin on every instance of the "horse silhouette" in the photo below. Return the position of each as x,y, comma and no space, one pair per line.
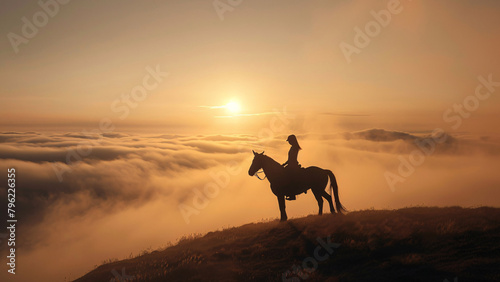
282,184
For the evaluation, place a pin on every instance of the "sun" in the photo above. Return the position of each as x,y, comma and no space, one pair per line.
233,107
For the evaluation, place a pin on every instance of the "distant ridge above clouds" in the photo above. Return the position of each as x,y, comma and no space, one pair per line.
382,135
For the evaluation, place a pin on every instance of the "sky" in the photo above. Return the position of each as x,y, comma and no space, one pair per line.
264,55
116,115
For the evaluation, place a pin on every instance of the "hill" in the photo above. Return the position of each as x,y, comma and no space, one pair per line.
411,244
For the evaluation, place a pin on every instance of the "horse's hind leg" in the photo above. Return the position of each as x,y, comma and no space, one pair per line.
320,202
329,199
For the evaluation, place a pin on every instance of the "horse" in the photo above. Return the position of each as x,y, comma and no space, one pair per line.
312,177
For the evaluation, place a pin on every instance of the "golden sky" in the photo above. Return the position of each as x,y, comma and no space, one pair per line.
263,55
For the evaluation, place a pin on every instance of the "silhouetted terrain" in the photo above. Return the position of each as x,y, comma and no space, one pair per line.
411,244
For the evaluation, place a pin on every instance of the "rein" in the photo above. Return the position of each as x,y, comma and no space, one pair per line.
257,174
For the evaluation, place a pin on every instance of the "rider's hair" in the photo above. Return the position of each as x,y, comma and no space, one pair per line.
293,140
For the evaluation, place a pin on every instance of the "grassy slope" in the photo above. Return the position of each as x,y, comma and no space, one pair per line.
412,244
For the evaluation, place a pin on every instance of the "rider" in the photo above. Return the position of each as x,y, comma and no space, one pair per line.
292,164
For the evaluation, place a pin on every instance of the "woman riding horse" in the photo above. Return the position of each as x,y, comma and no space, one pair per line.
282,186
292,165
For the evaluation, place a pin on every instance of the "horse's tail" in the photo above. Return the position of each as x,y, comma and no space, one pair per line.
335,192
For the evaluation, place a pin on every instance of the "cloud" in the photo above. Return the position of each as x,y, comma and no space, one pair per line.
119,167
124,195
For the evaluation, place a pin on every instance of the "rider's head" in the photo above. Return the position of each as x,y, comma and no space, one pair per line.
292,139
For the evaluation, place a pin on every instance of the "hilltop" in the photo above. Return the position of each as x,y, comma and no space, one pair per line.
410,244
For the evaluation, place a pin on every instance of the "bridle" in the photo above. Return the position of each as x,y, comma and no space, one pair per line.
260,170
257,174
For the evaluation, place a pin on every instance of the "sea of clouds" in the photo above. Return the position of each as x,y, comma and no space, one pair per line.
130,192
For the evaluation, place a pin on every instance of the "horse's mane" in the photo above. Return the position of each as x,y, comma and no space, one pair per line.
272,160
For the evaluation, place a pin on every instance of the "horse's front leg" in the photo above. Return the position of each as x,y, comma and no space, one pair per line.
281,202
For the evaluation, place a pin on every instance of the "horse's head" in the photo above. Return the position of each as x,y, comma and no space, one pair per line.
256,163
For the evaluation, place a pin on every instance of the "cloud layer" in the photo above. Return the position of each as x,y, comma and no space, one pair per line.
121,192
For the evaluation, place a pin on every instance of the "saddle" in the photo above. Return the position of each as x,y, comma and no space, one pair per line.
295,185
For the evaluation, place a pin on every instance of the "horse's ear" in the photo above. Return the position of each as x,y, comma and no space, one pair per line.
262,153
254,152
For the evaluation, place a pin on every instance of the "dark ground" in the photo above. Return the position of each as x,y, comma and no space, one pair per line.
412,244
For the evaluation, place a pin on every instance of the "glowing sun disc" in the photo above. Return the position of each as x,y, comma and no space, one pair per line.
233,107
